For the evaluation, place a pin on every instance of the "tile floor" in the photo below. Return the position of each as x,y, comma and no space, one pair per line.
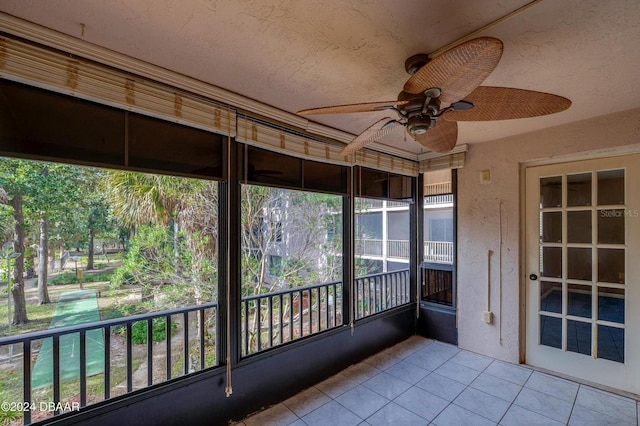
424,382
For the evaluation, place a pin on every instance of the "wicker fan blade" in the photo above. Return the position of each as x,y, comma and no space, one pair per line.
441,138
459,70
371,134
341,109
504,103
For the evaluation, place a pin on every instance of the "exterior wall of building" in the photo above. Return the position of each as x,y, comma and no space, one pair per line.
482,205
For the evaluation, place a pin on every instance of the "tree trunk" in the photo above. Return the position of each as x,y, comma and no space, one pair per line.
43,253
20,305
90,251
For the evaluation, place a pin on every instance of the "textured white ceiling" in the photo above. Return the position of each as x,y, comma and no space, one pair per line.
295,54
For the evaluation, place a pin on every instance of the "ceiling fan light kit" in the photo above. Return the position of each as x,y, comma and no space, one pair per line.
453,80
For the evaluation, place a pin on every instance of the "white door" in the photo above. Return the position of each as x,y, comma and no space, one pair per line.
583,270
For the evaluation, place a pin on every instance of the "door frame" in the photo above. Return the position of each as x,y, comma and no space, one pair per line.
522,246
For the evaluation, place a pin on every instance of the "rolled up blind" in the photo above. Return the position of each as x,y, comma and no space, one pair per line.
453,160
285,141
51,69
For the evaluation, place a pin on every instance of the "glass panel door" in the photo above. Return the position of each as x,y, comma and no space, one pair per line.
569,254
580,289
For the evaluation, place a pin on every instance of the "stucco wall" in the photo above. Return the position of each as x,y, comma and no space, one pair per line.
479,224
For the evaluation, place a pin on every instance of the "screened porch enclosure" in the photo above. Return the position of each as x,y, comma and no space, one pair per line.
286,288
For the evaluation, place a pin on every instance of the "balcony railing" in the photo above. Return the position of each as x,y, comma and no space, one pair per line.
396,204
429,201
437,188
97,361
368,247
363,205
438,252
370,204
379,292
437,284
398,249
432,200
272,319
434,251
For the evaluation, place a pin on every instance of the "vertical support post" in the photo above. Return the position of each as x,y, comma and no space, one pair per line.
56,371
454,273
385,236
201,323
348,205
149,352
107,363
187,361
26,376
168,340
416,222
83,368
130,359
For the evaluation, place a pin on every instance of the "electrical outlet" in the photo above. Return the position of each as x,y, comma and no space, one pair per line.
487,316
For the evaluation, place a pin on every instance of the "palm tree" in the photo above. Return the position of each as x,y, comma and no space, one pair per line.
188,207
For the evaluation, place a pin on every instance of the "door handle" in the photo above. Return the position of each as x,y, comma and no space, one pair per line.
533,277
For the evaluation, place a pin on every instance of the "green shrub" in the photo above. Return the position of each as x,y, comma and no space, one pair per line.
139,330
9,416
70,278
122,311
63,278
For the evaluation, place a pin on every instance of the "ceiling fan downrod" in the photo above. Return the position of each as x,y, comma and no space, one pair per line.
415,62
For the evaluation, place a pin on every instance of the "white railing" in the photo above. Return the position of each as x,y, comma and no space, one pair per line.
430,200
438,251
396,204
437,188
398,248
368,247
364,205
434,251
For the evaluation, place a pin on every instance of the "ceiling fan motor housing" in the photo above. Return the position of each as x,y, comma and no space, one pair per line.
419,124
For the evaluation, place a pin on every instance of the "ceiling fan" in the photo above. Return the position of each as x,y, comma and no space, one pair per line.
444,90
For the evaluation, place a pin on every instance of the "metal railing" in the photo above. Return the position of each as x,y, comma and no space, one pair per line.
438,252
398,249
432,200
272,319
437,188
437,284
188,342
429,200
368,247
178,355
366,204
396,204
379,292
434,251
